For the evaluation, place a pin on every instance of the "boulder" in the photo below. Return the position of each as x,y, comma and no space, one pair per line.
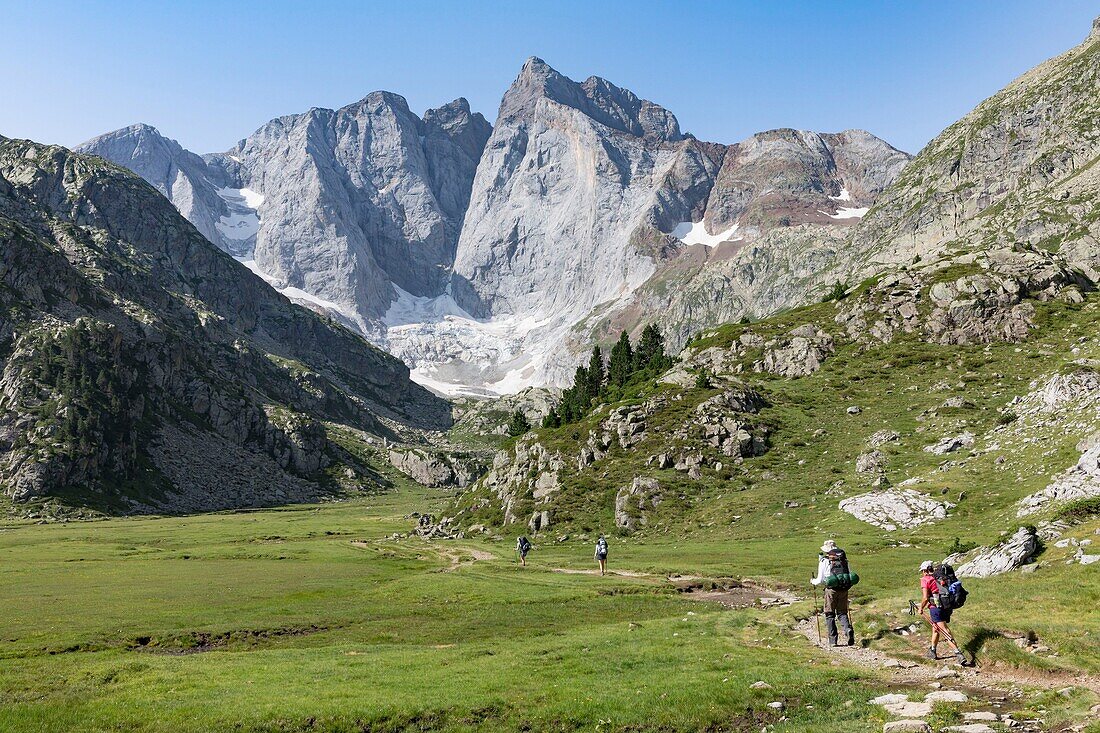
907,726
1082,481
951,696
423,467
871,462
1020,548
950,445
632,502
882,437
799,354
909,709
894,509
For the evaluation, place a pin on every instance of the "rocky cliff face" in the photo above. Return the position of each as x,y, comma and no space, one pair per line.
334,207
177,173
144,368
561,151
590,211
780,210
363,198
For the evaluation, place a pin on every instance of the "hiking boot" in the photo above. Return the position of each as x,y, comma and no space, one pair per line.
961,659
932,653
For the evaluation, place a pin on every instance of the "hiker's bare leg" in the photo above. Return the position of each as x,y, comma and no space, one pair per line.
949,636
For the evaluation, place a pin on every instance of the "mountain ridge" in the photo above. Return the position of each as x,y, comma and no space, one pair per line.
494,249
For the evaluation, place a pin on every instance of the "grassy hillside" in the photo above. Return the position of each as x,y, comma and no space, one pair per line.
764,517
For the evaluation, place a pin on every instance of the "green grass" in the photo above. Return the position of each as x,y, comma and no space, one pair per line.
274,620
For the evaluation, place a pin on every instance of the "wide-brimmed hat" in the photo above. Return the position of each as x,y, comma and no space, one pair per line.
828,546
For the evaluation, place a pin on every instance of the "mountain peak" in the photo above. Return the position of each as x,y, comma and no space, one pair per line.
598,98
1095,29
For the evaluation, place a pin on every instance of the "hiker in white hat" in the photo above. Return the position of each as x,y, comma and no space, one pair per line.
833,573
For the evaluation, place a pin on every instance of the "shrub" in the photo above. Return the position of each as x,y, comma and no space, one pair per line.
1079,511
518,425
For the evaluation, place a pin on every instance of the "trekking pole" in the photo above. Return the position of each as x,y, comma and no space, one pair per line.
817,616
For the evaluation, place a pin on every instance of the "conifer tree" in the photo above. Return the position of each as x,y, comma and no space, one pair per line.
518,425
621,363
552,419
650,354
596,375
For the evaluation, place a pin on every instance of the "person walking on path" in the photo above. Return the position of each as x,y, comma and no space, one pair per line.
833,573
523,546
937,616
601,554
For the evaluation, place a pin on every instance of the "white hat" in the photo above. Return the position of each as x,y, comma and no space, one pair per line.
828,546
926,565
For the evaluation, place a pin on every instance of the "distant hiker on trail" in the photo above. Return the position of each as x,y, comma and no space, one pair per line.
523,546
833,573
941,593
601,554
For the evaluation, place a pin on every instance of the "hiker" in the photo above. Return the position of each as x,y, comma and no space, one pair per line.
833,573
934,599
601,553
523,546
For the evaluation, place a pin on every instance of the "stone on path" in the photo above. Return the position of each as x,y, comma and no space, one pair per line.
889,699
945,696
981,716
907,726
969,728
909,709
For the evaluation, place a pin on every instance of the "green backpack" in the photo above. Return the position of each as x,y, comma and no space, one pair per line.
840,576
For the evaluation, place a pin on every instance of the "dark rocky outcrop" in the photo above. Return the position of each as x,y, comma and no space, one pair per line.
137,356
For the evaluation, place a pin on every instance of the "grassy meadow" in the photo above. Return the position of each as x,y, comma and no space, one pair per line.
313,618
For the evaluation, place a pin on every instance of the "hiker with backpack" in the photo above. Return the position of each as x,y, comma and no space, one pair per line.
523,546
601,553
834,574
941,593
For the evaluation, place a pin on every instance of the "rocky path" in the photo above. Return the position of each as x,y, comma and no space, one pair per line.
455,556
992,691
903,671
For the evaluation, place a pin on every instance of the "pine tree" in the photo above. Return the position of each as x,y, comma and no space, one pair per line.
650,354
552,419
518,425
621,364
596,375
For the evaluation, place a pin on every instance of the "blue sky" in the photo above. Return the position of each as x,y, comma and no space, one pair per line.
209,73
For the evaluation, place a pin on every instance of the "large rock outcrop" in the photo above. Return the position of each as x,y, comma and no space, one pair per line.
893,509
336,207
1017,550
182,176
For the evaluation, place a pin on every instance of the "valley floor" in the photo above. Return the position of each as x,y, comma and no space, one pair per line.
315,618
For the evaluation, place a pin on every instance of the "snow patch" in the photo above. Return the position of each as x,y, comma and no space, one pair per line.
844,196
847,213
243,222
696,233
